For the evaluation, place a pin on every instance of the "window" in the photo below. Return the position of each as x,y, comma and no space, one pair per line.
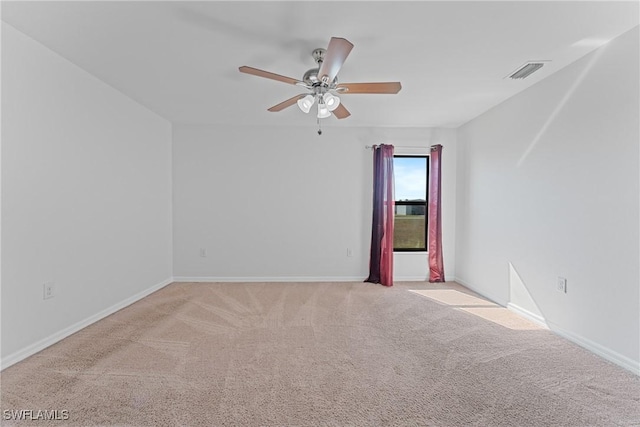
410,220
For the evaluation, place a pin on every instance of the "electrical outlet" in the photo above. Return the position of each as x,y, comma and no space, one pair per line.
48,290
562,285
203,252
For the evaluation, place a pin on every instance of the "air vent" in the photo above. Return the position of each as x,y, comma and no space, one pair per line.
526,70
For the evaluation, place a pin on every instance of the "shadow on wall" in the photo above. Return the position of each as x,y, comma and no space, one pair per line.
520,299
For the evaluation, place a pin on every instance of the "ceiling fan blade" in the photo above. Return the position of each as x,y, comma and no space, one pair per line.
288,103
341,112
335,56
268,75
386,87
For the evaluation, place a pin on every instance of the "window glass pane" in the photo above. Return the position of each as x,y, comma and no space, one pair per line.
410,176
410,221
409,227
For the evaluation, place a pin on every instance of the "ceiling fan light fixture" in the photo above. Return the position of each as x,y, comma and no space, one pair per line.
331,101
306,103
323,111
321,83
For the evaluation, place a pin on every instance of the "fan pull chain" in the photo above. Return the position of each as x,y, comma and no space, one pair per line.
319,127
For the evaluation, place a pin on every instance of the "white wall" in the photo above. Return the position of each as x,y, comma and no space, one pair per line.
86,196
548,183
269,203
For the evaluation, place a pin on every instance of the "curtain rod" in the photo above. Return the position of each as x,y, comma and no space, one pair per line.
369,147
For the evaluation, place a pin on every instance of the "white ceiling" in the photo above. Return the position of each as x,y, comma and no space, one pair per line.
181,59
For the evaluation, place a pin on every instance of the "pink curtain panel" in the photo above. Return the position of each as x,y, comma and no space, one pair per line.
436,266
381,258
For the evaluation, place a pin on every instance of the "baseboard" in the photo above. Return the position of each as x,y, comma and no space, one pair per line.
411,279
604,352
216,279
423,278
539,320
54,338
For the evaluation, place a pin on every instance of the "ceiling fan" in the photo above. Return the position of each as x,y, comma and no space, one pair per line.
322,82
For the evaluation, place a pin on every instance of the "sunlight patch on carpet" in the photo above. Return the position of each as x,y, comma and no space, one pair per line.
477,306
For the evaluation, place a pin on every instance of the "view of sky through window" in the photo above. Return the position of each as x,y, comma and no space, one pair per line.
410,176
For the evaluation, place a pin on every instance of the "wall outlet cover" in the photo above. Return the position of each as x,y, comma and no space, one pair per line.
48,290
562,285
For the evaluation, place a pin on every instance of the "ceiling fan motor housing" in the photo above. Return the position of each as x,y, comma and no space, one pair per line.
311,76
311,79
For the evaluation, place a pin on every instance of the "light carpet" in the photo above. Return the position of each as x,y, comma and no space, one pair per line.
319,354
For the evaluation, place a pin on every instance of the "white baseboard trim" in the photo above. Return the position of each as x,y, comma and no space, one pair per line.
604,352
539,320
32,349
411,279
447,278
268,279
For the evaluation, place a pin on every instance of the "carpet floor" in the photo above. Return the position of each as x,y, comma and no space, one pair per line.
319,354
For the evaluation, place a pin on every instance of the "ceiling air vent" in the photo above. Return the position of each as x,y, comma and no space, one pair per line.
527,69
